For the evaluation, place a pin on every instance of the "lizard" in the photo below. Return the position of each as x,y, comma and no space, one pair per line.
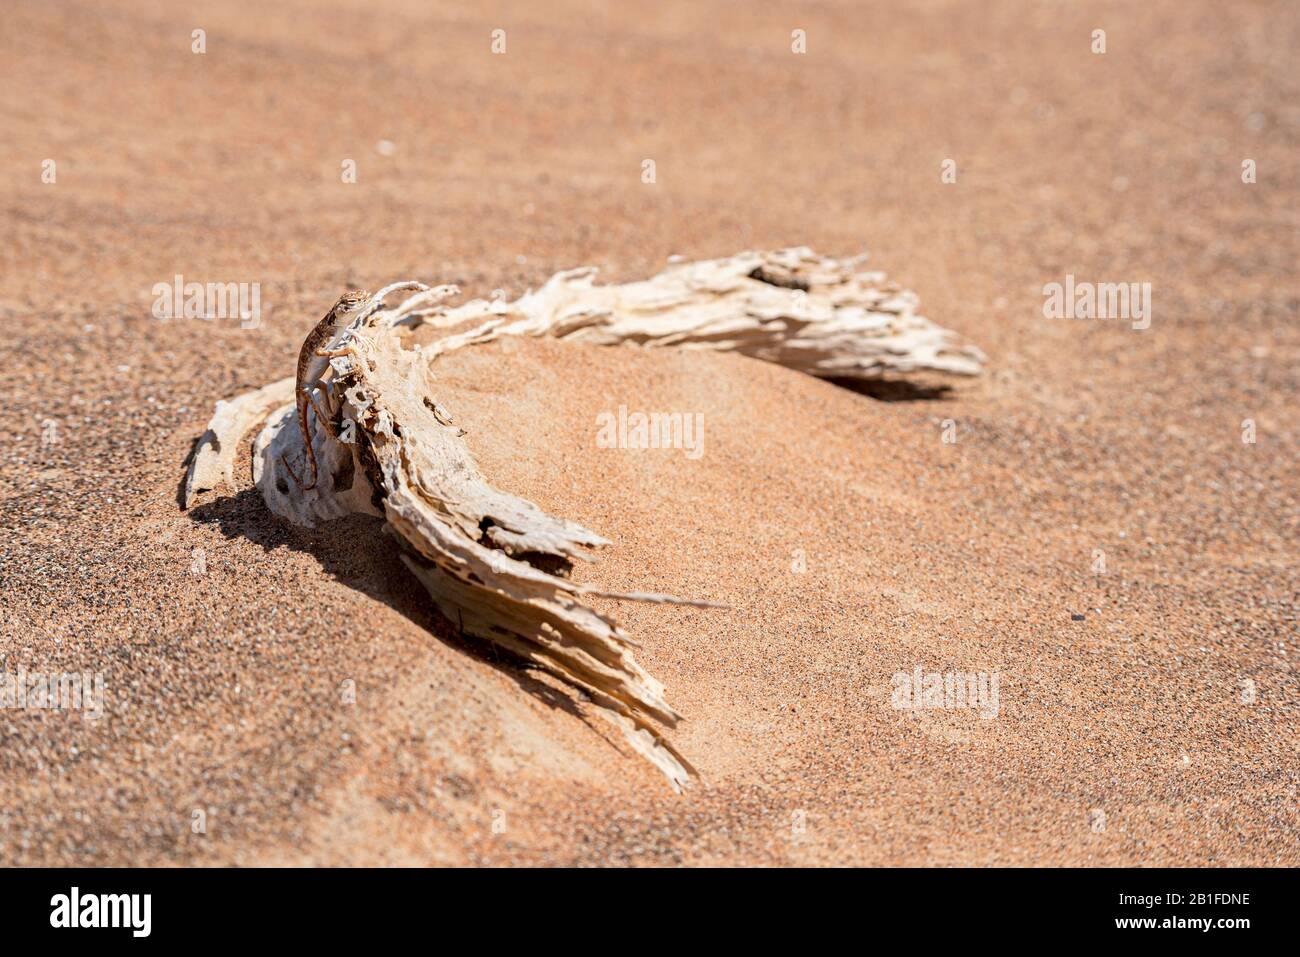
313,360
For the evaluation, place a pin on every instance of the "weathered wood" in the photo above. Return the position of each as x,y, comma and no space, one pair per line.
822,316
488,558
213,461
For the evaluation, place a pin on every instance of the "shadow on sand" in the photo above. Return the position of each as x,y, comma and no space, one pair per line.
895,390
356,552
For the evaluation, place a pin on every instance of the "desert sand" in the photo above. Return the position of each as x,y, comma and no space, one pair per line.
1147,708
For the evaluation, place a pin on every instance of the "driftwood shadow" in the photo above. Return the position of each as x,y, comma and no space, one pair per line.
895,390
355,551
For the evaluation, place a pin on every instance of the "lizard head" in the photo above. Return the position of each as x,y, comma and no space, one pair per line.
349,301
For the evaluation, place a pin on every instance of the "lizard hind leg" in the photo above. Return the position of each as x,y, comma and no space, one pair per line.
303,398
326,421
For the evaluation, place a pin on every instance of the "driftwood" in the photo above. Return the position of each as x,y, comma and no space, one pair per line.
214,456
817,315
497,563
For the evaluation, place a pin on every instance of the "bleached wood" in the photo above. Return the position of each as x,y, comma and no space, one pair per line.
822,316
488,558
213,461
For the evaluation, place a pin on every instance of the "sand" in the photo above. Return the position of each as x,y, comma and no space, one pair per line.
1147,714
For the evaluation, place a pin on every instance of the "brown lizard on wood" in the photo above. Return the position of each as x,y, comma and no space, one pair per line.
313,360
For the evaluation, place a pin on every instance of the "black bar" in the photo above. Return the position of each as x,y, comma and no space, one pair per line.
335,907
